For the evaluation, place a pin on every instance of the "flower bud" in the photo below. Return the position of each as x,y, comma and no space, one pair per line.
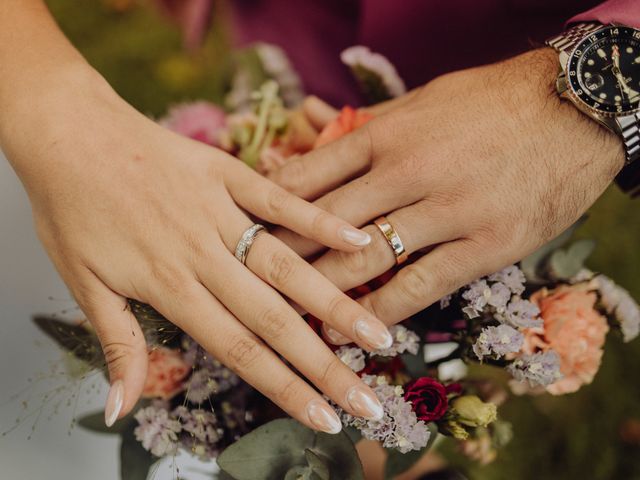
473,412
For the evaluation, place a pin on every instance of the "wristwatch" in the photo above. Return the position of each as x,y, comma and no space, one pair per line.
600,74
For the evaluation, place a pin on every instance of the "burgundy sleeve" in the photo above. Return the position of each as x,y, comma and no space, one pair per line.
626,12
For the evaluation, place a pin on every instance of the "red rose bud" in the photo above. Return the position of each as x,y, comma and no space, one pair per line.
428,398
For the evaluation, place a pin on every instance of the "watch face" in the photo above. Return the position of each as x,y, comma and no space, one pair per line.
604,70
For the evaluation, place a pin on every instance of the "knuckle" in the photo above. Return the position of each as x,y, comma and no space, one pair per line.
319,222
292,177
330,370
356,262
116,355
170,277
281,267
243,353
414,283
272,323
277,202
338,307
289,393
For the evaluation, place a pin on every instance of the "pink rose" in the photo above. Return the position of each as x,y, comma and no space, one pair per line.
574,329
202,121
166,371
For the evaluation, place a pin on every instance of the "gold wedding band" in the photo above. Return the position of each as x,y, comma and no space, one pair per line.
247,239
393,239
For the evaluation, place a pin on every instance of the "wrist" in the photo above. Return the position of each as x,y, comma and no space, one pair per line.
538,73
50,107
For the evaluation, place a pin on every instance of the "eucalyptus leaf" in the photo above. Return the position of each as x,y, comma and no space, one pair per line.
354,434
534,265
272,450
317,465
135,461
565,264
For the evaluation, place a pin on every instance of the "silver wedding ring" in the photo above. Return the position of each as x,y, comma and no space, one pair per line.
247,239
393,239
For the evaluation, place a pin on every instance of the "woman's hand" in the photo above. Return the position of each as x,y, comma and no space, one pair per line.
479,167
128,209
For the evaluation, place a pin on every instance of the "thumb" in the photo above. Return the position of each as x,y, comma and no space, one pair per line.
123,344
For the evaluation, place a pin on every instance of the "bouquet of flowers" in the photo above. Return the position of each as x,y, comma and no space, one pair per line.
540,325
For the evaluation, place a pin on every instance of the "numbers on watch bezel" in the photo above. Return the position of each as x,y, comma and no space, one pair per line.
576,83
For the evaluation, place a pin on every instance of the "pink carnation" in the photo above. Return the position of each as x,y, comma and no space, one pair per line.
202,121
574,329
167,369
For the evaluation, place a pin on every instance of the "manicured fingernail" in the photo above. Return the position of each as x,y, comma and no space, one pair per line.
355,237
335,337
374,333
364,402
323,417
114,403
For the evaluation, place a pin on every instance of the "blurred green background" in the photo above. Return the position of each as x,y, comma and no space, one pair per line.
594,434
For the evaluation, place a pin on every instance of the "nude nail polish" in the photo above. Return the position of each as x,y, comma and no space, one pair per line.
114,403
323,417
335,337
374,333
364,403
355,237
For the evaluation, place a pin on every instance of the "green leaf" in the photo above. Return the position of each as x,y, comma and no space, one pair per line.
353,433
565,264
415,364
534,264
317,465
271,451
95,423
75,339
398,463
372,84
135,461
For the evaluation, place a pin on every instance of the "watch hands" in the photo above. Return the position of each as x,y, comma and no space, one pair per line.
615,55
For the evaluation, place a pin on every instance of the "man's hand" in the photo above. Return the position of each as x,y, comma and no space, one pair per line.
477,169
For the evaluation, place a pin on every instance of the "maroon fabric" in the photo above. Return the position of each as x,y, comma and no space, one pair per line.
423,38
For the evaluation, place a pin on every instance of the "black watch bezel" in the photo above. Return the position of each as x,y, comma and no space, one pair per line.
573,81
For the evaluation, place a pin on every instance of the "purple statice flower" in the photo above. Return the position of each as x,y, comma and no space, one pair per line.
202,431
399,428
445,301
522,314
404,340
498,342
541,368
618,302
209,381
352,357
157,430
210,377
499,297
512,277
477,296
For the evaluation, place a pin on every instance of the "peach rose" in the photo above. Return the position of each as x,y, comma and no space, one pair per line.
166,371
574,329
347,121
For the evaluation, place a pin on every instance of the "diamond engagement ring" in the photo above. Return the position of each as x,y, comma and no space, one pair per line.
247,239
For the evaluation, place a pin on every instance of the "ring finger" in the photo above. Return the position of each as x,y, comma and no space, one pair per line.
270,317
